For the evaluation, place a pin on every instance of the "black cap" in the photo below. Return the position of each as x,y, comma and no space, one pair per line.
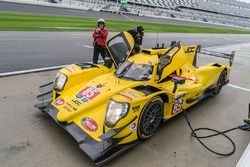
139,28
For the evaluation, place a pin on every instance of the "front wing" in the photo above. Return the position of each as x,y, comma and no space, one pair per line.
100,152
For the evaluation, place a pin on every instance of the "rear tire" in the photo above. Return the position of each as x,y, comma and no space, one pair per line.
220,83
150,118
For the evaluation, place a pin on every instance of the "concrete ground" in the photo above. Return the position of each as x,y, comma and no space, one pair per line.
29,138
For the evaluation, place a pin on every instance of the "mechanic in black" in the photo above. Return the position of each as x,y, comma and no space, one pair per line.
137,33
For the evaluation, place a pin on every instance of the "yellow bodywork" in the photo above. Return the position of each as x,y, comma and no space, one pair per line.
108,86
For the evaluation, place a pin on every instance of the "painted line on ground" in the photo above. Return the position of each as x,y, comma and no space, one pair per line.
6,74
245,158
238,87
87,46
78,34
70,10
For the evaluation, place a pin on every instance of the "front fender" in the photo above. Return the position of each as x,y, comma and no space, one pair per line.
137,101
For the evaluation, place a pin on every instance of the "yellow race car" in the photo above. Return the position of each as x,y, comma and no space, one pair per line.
109,110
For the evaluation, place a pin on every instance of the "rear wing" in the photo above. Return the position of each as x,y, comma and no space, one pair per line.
229,56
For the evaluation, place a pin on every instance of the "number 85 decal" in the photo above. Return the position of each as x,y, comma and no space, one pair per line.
178,104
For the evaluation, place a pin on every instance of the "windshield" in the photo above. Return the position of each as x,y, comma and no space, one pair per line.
136,72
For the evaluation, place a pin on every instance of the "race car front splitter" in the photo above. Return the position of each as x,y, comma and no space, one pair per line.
100,152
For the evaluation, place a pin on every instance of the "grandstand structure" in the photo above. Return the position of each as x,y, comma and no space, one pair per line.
226,12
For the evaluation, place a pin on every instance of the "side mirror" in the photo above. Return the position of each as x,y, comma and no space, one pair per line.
177,80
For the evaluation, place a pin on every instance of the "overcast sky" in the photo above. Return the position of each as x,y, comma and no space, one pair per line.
247,1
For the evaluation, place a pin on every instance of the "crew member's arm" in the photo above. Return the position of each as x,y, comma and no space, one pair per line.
103,33
96,35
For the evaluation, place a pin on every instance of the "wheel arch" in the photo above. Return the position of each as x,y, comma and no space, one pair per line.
152,99
164,97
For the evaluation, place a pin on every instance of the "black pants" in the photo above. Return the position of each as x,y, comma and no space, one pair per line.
97,50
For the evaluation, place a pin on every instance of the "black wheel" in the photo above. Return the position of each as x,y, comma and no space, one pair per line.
220,83
150,118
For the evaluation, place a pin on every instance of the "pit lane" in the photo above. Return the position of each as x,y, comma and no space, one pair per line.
30,138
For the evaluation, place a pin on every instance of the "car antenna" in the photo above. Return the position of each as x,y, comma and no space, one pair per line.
156,41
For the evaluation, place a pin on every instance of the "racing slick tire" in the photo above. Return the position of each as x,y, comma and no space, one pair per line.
220,83
150,118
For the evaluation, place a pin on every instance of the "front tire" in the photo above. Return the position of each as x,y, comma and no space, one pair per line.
150,118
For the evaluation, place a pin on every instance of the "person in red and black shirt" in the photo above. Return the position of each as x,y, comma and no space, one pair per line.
100,35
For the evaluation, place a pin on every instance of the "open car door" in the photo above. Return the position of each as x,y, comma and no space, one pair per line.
120,47
170,61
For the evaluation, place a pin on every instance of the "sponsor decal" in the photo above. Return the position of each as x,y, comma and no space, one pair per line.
79,96
132,94
85,100
76,102
71,106
136,108
67,108
190,49
133,126
70,68
67,69
178,104
59,102
89,124
87,94
129,98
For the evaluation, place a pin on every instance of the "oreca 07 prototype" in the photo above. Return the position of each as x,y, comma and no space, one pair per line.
109,110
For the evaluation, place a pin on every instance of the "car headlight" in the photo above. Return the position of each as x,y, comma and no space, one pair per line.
59,82
115,112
